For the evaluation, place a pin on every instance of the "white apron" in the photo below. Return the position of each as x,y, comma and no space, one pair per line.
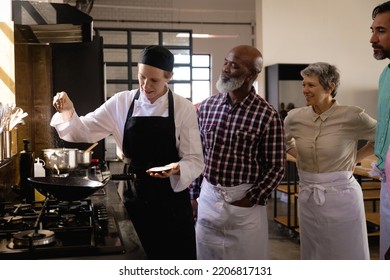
331,217
225,231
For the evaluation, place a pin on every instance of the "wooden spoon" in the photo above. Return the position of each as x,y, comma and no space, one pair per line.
90,148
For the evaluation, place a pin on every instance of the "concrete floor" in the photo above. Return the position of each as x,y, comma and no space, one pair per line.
284,246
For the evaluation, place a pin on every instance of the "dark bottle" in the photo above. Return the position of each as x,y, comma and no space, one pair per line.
26,170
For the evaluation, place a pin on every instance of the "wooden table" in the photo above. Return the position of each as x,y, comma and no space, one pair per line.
364,172
365,167
371,188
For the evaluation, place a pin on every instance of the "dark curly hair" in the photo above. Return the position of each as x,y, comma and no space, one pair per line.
384,7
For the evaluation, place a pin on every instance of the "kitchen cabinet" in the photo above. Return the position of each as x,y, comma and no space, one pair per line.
43,70
78,69
283,90
283,85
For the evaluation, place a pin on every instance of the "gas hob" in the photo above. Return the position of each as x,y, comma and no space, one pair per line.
58,229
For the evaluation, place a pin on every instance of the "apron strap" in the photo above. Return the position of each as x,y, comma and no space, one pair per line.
318,192
131,110
171,108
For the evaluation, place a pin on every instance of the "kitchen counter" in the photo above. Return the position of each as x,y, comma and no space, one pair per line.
111,199
132,245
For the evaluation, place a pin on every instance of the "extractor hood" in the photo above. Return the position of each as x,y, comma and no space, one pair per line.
45,23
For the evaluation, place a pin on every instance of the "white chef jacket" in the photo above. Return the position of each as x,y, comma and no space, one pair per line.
110,118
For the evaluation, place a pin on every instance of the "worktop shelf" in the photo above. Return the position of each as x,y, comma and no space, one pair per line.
288,217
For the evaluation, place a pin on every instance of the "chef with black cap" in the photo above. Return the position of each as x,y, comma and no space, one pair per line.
155,128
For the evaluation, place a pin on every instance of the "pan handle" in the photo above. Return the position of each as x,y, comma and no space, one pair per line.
105,180
123,177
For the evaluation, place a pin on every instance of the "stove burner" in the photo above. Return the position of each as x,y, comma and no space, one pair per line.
31,238
23,207
51,215
57,229
68,217
67,220
10,224
25,210
12,219
69,205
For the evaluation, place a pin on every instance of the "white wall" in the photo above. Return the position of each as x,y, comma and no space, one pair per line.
334,31
5,12
299,31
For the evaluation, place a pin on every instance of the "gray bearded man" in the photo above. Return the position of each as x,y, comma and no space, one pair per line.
243,146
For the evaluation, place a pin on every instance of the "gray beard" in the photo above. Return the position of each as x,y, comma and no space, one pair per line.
383,54
231,85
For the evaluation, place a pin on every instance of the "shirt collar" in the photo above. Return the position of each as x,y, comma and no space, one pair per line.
325,114
161,99
244,103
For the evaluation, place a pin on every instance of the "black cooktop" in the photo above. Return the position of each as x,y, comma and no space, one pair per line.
58,229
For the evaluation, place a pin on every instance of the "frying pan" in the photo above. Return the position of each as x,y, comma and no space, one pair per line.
67,188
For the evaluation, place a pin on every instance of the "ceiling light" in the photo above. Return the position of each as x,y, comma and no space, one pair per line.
206,36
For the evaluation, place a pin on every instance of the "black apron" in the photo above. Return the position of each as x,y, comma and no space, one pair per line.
162,218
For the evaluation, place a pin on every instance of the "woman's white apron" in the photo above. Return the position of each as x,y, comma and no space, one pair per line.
226,231
331,217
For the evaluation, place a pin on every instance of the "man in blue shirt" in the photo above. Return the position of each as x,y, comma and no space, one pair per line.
380,41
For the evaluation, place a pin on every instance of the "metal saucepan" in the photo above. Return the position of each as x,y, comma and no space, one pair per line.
84,157
67,188
60,158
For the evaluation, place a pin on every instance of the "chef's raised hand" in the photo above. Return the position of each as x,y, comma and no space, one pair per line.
63,105
165,174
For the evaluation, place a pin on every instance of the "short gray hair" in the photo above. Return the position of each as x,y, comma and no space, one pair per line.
326,73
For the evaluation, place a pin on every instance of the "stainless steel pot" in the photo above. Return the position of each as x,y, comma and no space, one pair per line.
60,158
84,157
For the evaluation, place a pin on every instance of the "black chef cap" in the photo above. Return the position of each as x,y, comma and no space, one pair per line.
157,56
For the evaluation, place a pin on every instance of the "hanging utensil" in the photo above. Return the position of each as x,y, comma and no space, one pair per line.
17,119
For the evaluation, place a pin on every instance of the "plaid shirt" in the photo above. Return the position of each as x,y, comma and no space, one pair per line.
242,143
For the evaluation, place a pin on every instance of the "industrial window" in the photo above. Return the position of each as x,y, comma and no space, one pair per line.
201,76
122,48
